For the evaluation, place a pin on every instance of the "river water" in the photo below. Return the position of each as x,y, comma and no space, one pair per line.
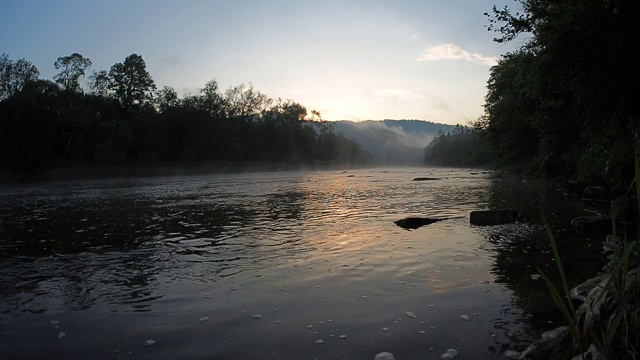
289,265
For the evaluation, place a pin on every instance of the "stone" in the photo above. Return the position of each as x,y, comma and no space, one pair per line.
385,356
581,291
425,179
415,222
493,217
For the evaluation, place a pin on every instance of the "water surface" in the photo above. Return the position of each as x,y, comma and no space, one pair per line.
291,265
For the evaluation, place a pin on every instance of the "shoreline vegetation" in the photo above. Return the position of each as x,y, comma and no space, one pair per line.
120,119
563,103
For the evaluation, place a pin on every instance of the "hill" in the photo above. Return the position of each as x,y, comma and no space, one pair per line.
393,142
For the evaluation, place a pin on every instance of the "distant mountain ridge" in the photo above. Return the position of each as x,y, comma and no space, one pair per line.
393,142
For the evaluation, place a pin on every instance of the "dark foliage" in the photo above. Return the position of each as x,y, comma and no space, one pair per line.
121,120
568,92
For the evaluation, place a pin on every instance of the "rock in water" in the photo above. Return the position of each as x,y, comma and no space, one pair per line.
385,356
415,222
493,217
450,354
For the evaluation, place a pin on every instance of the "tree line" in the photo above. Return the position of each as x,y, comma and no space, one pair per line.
120,118
565,102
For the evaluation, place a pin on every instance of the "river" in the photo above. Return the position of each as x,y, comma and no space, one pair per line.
283,265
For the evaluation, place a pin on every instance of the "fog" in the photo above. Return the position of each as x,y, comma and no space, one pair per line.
393,142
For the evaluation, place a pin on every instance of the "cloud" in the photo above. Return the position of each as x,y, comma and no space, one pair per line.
454,52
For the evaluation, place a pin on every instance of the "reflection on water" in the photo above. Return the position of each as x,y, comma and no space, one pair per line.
264,265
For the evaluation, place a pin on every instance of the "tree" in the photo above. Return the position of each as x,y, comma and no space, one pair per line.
71,68
131,82
244,102
166,98
99,83
14,75
568,90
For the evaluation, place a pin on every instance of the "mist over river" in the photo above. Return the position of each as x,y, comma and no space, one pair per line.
283,265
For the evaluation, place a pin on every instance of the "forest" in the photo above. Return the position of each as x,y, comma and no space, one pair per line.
120,118
565,102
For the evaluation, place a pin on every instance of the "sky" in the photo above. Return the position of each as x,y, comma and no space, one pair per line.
348,59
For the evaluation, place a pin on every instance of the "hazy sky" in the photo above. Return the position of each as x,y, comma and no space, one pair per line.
350,60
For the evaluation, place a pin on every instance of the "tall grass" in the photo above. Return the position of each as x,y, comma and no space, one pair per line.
612,321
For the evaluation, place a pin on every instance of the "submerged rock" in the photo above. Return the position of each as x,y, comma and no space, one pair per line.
385,356
450,354
493,217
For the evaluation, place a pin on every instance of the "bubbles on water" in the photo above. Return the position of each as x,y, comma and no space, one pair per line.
256,316
148,342
465,317
535,276
342,337
204,318
385,329
319,342
411,315
55,322
61,335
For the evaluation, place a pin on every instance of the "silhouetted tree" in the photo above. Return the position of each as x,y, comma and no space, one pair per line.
14,75
72,68
131,82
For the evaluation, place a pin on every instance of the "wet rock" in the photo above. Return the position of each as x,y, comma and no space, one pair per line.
425,179
493,217
512,354
415,222
581,291
552,334
384,356
560,347
465,317
319,342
